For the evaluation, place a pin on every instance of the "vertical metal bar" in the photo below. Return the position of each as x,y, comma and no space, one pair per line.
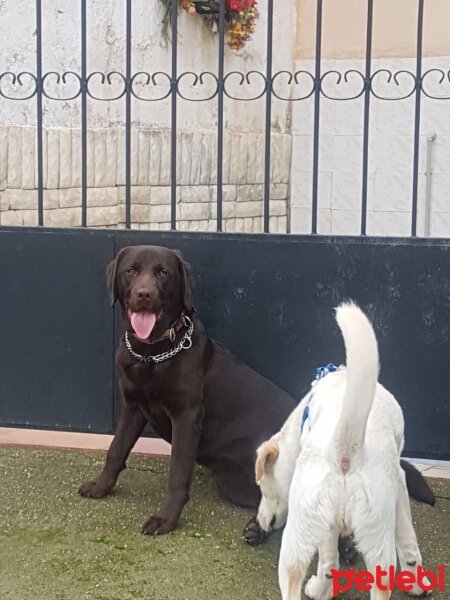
315,181
220,99
268,126
367,92
128,120
173,149
83,115
417,119
40,159
430,139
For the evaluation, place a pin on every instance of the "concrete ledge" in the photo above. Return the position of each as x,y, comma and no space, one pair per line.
14,437
76,441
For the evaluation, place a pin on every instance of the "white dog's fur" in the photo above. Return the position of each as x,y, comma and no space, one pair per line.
340,474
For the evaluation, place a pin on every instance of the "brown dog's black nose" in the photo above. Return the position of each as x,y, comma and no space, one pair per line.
143,294
142,297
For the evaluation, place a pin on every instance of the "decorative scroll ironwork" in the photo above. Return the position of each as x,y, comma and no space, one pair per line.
383,84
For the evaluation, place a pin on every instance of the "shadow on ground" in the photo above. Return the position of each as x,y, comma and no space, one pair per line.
56,545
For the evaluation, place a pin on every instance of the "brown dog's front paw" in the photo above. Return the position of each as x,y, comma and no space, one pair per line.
157,525
94,489
253,534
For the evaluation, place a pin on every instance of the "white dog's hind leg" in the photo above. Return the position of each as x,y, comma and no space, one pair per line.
375,537
295,556
384,560
313,498
382,556
319,586
291,580
376,594
405,537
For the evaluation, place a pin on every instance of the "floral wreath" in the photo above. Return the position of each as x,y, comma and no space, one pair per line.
240,17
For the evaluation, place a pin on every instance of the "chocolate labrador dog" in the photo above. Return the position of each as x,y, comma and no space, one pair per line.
195,394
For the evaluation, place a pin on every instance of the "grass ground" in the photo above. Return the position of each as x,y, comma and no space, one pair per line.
56,545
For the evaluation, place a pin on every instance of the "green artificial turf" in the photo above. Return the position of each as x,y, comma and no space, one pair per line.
56,545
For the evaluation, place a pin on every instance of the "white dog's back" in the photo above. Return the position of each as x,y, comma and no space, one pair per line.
356,425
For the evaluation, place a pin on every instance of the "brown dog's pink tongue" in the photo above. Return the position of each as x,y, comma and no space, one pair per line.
143,323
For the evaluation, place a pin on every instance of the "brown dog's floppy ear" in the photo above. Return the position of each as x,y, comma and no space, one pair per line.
266,457
185,271
111,276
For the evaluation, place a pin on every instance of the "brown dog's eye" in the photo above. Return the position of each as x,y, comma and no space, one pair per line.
131,271
162,273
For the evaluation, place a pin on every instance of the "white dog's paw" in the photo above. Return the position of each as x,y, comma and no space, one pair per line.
318,588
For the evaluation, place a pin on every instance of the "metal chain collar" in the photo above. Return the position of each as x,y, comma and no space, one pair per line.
185,344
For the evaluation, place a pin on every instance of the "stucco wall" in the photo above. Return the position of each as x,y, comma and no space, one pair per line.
394,28
151,121
151,52
391,130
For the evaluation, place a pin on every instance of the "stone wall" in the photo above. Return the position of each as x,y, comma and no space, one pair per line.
243,177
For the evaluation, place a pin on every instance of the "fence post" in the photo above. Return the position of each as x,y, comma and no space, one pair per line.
268,127
83,114
40,161
317,88
417,119
367,91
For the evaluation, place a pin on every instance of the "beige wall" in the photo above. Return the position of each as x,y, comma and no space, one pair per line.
394,28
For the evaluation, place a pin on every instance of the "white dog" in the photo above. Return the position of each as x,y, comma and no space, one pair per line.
336,465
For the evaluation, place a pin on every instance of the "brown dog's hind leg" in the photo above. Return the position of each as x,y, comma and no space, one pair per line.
237,485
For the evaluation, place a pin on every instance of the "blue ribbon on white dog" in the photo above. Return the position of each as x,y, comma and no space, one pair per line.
321,372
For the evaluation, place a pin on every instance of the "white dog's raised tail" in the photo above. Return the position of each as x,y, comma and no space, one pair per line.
362,361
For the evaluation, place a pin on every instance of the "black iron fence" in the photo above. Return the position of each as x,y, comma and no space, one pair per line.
284,85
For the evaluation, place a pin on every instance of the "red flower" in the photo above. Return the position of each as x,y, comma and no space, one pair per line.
238,5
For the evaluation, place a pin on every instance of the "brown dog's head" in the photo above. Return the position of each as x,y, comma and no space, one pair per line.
153,285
